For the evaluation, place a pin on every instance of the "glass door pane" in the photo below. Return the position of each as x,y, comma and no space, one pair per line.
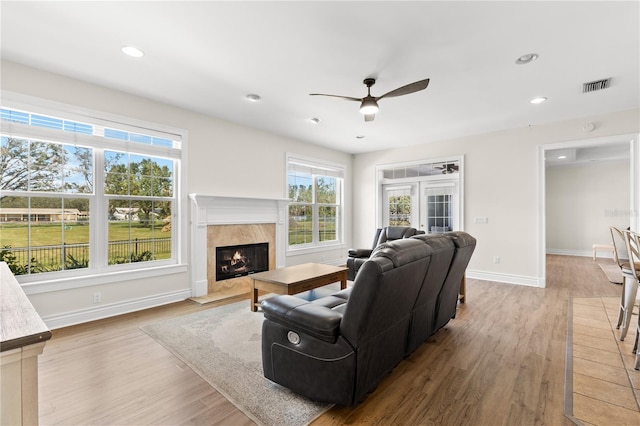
439,207
400,206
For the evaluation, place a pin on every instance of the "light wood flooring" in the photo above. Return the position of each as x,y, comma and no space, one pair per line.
605,385
500,361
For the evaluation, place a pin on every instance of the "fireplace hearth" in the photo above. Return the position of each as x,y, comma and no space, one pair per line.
240,260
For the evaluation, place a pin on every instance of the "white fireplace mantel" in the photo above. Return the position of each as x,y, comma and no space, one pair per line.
219,210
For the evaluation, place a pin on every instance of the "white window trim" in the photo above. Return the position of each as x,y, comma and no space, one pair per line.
318,246
62,280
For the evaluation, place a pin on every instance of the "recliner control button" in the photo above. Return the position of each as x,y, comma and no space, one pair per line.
293,337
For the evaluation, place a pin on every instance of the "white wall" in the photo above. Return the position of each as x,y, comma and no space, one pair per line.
583,200
223,159
501,183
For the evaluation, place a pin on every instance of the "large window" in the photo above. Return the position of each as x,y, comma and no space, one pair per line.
315,211
85,193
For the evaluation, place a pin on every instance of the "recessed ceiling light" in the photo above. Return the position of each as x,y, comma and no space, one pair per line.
561,157
527,59
314,120
134,52
360,137
538,100
253,98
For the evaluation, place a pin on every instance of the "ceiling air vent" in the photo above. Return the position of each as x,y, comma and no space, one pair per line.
592,86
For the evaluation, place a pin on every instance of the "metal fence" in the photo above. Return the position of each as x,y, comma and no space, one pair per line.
75,255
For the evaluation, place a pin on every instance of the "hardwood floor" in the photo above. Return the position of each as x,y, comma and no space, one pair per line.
501,361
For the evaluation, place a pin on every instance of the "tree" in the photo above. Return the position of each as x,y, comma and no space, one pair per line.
144,178
326,190
78,171
44,166
14,161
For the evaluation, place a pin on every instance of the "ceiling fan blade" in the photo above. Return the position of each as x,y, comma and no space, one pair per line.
348,98
369,117
405,90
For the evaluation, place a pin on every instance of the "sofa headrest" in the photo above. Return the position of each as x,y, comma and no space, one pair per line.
462,239
459,238
401,252
398,232
436,241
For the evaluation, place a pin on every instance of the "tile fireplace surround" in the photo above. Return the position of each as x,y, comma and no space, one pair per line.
222,221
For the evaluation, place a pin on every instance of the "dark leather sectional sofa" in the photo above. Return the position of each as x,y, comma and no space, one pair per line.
337,348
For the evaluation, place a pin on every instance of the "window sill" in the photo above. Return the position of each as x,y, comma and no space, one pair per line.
314,249
97,278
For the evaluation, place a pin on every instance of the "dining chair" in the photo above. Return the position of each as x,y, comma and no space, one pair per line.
629,284
633,247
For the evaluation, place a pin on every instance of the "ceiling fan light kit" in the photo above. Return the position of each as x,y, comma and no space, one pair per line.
369,104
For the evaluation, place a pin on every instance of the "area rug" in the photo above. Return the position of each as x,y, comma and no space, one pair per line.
612,271
223,346
601,386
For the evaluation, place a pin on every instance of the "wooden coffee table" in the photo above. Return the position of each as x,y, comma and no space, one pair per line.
296,279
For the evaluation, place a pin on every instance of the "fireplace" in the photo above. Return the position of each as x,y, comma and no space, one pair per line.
240,260
221,221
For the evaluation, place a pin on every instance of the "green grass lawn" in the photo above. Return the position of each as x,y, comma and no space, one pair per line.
51,236
300,232
17,235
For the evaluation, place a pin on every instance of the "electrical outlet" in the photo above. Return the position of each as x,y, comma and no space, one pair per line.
97,297
496,259
481,220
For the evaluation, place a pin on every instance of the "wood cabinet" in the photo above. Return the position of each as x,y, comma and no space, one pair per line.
22,338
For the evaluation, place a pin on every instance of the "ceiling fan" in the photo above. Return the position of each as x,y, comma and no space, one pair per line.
448,168
369,104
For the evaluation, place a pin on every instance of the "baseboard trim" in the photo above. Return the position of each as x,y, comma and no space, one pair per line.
506,278
580,253
105,311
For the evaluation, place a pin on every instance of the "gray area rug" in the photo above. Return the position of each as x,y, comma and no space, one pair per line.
612,271
223,346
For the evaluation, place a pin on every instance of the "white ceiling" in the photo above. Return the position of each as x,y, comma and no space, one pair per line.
206,56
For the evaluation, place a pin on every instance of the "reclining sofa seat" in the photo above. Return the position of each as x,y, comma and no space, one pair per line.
448,297
423,314
337,352
438,298
358,256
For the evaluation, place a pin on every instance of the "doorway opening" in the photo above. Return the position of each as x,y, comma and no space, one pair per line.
585,187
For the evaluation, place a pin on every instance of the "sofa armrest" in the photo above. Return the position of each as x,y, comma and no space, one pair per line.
359,252
300,315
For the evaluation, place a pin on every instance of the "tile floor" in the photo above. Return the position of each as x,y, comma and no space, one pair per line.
606,388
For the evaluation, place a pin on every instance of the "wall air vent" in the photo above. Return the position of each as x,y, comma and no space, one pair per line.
592,86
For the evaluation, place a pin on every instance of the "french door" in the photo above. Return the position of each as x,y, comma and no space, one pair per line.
426,195
401,205
439,207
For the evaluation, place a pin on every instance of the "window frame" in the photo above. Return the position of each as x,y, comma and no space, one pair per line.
100,271
334,170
